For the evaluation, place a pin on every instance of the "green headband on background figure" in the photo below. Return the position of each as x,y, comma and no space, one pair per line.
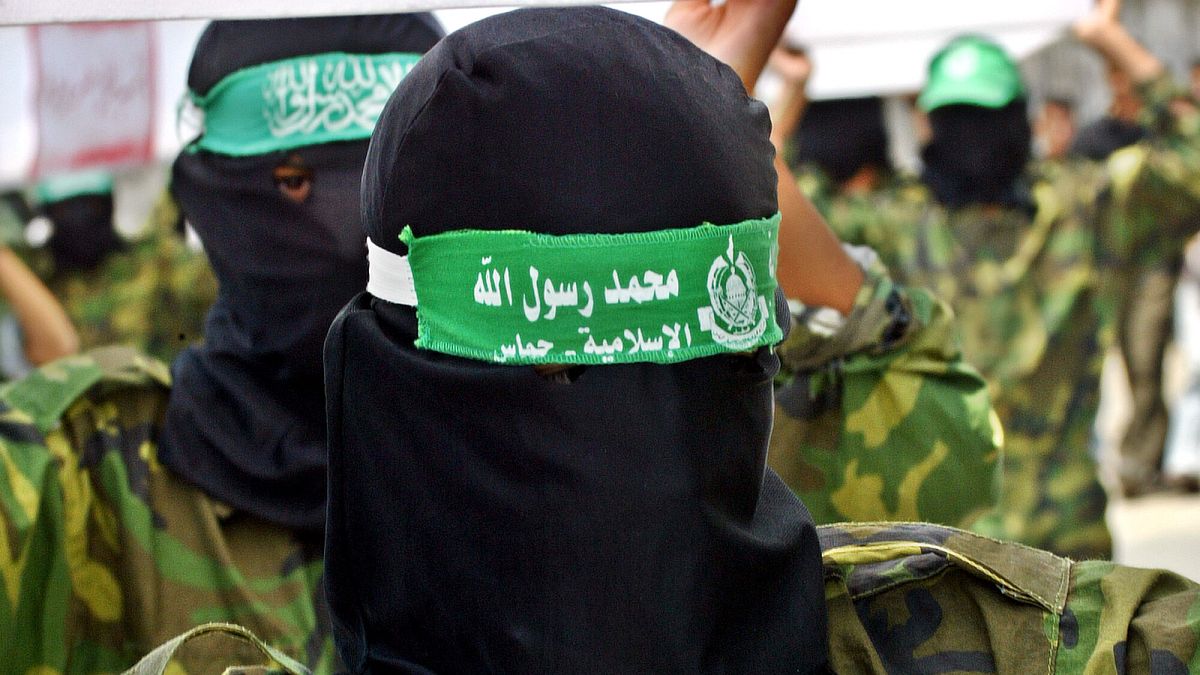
518,297
307,100
68,185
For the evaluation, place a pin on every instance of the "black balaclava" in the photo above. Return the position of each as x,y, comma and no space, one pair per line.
1105,136
841,136
483,518
83,234
978,155
246,417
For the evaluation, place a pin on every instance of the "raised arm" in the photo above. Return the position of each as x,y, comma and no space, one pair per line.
793,67
1103,31
813,268
46,331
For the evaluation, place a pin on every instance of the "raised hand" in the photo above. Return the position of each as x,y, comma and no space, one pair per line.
741,33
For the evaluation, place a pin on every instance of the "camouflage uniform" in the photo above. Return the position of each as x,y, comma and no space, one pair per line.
918,598
1036,297
152,296
1144,317
104,554
880,419
921,598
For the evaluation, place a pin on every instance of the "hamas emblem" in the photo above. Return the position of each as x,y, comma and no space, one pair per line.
738,315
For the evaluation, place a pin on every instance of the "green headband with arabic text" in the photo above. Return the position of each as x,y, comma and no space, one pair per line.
291,103
519,297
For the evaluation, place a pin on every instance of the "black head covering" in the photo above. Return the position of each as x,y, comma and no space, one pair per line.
1105,136
841,136
246,419
84,234
977,155
485,519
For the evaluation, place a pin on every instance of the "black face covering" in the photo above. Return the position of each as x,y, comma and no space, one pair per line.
245,420
486,519
1105,136
842,136
83,232
978,155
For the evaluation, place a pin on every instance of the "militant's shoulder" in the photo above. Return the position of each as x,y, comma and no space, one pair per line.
39,399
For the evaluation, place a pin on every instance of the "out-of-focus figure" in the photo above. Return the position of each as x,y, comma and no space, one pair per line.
150,293
1145,296
1030,262
1054,128
836,443
34,329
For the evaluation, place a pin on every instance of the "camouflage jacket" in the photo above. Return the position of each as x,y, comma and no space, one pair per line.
878,417
1036,296
920,598
105,554
153,295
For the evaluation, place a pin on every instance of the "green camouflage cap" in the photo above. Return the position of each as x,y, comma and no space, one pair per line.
971,70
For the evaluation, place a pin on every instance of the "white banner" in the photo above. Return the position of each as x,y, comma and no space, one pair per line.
94,95
868,47
14,12
858,47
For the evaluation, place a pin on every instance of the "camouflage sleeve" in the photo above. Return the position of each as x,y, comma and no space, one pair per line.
1154,185
105,554
1168,111
915,597
879,418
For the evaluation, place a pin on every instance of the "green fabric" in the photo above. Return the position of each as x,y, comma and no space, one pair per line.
307,100
971,70
104,554
58,188
1036,299
664,297
874,424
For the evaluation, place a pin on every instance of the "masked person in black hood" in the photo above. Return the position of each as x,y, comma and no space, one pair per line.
149,292
846,140
270,187
587,193
146,506
80,209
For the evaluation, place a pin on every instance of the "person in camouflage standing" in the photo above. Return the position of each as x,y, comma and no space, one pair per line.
1143,323
150,293
878,418
1027,261
137,502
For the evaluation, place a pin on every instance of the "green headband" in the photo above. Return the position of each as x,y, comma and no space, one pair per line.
65,186
522,298
301,101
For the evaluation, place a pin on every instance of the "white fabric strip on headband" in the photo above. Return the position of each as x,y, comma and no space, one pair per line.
390,276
